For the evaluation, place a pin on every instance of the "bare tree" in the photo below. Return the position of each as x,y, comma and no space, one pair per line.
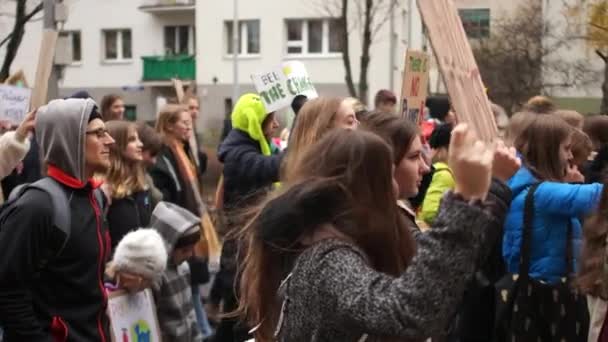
521,58
15,37
366,19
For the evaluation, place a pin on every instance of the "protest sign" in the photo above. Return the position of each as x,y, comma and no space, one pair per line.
44,68
14,103
278,87
133,317
415,82
458,66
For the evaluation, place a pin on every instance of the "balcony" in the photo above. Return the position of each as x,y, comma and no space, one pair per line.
161,69
168,6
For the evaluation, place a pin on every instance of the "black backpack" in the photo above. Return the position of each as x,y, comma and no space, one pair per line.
59,201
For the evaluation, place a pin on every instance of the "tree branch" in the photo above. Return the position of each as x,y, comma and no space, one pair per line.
602,56
25,19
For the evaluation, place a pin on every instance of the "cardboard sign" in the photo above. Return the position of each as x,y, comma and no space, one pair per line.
133,317
44,68
458,66
278,87
415,83
14,103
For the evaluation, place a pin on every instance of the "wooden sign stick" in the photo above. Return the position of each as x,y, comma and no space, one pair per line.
44,68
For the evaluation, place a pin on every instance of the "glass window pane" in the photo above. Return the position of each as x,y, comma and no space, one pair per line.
126,44
111,51
294,49
76,47
228,25
476,22
315,36
336,30
183,40
253,36
294,30
169,40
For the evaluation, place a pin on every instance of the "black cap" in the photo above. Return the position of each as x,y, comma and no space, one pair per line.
298,102
441,136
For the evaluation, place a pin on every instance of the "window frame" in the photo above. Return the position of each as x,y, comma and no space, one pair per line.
243,38
482,32
119,46
70,34
304,42
191,48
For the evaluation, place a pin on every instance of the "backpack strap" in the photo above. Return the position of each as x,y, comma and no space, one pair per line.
59,201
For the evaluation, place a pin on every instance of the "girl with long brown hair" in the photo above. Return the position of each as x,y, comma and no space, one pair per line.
130,205
316,118
112,107
323,261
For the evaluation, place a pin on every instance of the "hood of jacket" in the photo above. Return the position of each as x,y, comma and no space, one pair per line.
248,115
60,132
173,222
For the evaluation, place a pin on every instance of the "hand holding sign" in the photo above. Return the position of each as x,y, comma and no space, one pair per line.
14,103
26,126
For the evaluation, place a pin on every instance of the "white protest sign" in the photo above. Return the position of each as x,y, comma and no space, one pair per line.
133,317
298,82
279,86
14,103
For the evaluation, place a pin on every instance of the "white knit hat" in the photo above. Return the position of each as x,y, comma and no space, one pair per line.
141,252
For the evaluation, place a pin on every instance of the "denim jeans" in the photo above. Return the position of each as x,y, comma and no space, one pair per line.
201,315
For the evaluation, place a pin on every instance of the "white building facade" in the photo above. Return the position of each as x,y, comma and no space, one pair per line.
133,48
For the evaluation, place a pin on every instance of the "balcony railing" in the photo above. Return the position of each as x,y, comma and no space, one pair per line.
164,68
163,6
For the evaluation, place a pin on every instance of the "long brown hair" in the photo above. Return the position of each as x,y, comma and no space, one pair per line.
398,132
592,274
314,119
596,127
125,176
517,125
540,144
106,104
345,180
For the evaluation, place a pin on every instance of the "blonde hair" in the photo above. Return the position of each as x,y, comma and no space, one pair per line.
314,120
540,105
167,117
125,176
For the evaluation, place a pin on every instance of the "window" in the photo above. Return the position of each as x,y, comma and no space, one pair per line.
130,112
117,45
179,40
314,36
476,22
74,44
249,37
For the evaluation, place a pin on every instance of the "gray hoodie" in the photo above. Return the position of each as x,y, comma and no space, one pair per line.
172,293
59,125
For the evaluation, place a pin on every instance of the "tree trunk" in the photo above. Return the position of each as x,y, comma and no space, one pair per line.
604,106
16,36
365,56
345,51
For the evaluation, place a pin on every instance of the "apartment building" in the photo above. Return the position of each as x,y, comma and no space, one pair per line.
135,47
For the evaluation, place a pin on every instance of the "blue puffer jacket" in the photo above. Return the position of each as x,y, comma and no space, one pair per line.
555,204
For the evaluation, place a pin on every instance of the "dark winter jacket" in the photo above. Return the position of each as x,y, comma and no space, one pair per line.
168,179
334,295
127,214
247,172
47,291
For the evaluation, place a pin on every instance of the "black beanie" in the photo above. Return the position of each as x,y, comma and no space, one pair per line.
95,114
441,136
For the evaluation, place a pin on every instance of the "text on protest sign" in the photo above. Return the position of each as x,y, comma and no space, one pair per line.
133,316
14,103
415,83
280,86
458,66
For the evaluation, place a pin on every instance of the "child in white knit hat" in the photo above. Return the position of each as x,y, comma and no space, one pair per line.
139,260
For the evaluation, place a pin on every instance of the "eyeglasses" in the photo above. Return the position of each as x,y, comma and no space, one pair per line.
100,132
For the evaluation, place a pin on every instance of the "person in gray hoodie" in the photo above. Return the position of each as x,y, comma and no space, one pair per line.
172,292
51,274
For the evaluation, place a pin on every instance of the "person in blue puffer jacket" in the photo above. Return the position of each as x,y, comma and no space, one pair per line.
545,146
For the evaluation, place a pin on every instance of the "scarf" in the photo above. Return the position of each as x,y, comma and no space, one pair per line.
187,170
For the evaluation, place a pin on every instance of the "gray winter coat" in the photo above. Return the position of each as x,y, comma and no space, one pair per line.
334,295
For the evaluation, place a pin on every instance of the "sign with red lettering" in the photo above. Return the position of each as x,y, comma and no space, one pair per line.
415,82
